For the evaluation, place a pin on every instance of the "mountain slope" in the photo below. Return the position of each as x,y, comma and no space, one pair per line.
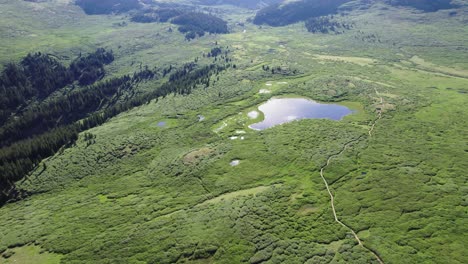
288,13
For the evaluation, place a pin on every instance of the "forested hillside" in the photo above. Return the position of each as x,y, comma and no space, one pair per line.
38,75
41,128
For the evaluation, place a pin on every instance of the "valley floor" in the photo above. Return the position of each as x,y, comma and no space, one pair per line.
394,170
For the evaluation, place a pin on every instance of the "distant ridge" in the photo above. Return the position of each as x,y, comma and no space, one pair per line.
92,7
252,4
285,13
424,5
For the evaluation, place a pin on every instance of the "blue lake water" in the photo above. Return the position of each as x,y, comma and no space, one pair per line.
283,110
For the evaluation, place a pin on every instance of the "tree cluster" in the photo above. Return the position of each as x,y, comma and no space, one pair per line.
87,70
199,23
325,25
279,70
214,52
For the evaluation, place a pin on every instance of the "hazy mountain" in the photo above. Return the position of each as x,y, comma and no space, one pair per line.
425,5
253,4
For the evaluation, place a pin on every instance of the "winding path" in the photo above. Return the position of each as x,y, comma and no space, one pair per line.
332,198
379,114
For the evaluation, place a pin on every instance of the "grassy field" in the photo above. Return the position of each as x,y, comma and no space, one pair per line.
148,194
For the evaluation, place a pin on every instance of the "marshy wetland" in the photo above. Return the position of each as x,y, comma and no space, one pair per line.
380,118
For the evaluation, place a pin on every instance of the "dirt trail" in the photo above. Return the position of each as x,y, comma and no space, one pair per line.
379,114
332,198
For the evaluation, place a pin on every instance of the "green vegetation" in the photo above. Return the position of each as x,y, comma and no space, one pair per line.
29,254
130,191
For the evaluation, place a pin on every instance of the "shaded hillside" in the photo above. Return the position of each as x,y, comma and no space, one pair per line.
92,7
158,15
281,15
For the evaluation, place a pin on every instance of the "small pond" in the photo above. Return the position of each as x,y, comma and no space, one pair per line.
161,124
283,110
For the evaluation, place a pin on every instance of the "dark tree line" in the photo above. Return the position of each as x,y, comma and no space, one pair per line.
198,23
325,25
279,70
41,131
18,159
285,14
192,24
87,70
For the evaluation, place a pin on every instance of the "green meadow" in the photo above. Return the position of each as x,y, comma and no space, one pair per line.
143,193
